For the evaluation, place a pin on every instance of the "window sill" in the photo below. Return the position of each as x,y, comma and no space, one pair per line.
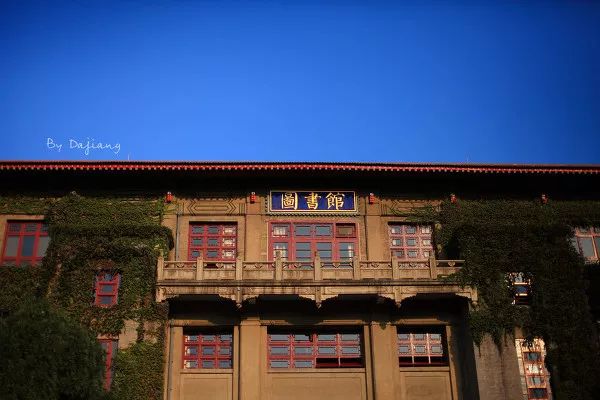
207,371
421,368
315,370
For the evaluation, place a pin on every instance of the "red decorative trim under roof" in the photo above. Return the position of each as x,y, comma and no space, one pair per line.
297,166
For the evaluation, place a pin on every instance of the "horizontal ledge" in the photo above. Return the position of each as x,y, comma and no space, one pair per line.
304,283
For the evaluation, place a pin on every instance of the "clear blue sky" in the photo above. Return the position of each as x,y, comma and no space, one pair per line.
301,80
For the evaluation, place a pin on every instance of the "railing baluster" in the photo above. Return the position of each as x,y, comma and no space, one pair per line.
356,269
395,268
433,267
278,267
238,269
317,268
199,269
160,267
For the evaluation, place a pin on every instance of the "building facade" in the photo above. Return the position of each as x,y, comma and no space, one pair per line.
312,281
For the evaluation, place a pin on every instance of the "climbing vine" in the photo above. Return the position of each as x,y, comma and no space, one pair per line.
497,238
92,235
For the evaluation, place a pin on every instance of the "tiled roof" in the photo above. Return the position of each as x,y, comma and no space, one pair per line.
298,166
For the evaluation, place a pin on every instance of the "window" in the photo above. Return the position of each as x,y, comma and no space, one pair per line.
110,347
107,288
25,242
301,241
422,346
410,242
535,379
587,242
212,242
521,287
206,349
328,348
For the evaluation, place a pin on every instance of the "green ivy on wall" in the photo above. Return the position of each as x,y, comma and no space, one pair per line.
496,238
89,235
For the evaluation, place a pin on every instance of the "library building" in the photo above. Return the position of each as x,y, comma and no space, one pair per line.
306,281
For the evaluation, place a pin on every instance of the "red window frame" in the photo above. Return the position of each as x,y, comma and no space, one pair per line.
327,348
206,349
584,234
107,288
521,287
402,238
25,231
206,238
110,347
420,346
300,241
534,375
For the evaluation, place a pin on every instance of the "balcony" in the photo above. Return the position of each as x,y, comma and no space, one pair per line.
317,280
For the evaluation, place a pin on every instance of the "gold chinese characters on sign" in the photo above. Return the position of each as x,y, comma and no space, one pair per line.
312,201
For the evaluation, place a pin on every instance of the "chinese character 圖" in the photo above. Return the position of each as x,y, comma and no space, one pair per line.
335,201
312,200
289,201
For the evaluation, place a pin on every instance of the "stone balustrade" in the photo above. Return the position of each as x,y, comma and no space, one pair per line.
316,270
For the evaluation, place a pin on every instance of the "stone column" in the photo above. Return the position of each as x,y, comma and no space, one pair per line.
250,350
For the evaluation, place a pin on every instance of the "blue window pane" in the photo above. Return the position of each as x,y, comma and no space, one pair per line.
404,349
301,337
208,364
303,246
106,300
279,364
303,364
196,242
279,338
419,336
280,350
31,227
42,246
14,227
302,230
348,337
208,351
532,356
224,363
107,288
403,336
197,229
323,230
326,337
303,350
191,350
27,246
587,247
212,254
420,349
520,289
12,244
225,351
213,242
435,336
191,364
326,350
213,230
226,338
191,338
436,349
350,350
